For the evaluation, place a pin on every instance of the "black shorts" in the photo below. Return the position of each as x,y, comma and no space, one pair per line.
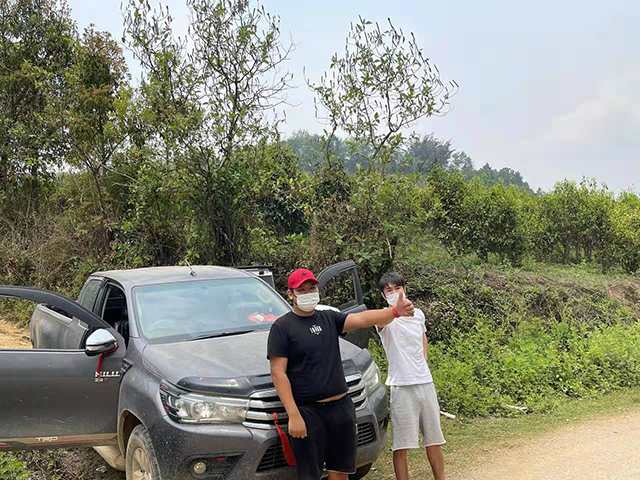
331,439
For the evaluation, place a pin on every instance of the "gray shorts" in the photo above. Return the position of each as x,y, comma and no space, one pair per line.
415,409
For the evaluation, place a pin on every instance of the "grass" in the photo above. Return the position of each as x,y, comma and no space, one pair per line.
471,439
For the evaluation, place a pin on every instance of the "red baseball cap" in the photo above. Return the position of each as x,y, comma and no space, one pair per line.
298,277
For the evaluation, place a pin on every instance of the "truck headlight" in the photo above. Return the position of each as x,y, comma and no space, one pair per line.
372,378
195,408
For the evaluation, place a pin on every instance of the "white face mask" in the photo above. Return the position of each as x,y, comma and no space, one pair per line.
393,299
308,301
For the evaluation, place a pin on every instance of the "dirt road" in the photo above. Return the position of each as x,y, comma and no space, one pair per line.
13,337
602,449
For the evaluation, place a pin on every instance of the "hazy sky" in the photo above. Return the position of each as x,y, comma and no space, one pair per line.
549,88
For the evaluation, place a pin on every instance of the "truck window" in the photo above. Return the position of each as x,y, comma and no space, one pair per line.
89,293
340,291
114,311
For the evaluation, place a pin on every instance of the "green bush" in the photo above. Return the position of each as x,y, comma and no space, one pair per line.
571,224
12,469
479,372
362,217
627,230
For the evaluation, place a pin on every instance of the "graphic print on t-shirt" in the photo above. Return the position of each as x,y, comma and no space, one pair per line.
316,329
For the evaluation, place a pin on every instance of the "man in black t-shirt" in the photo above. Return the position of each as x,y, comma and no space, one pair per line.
306,367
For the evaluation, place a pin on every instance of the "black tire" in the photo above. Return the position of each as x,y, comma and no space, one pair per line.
361,472
140,456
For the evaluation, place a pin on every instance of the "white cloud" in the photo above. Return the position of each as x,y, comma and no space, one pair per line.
614,109
599,137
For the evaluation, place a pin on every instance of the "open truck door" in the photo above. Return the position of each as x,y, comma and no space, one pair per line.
341,288
60,398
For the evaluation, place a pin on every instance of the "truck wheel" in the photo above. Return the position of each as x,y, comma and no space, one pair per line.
141,460
360,473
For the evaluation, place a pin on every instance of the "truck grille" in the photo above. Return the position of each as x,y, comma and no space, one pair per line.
366,434
273,459
264,403
274,456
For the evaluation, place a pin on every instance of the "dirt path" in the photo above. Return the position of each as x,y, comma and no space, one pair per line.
13,337
602,449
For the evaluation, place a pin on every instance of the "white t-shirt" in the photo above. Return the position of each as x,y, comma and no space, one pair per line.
402,340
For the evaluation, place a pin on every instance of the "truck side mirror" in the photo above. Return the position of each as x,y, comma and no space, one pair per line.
100,341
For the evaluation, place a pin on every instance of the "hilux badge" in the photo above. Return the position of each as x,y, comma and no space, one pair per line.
102,376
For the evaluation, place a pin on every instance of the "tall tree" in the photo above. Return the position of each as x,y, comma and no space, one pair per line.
462,163
98,89
208,98
380,87
36,56
505,176
427,152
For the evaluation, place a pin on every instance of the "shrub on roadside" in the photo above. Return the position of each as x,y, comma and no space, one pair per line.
481,371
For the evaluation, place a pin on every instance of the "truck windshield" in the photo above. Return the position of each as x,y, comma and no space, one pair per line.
183,311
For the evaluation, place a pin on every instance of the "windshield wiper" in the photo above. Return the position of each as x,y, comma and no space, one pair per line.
219,334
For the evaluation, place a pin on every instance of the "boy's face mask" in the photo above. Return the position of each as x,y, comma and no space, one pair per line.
392,299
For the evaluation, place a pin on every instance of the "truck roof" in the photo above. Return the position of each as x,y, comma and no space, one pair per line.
159,275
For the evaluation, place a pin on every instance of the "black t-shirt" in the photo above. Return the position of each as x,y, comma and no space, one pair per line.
311,344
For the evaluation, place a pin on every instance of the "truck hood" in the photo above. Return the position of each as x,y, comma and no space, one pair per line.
235,365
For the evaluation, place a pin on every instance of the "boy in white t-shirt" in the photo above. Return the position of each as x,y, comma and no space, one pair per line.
414,403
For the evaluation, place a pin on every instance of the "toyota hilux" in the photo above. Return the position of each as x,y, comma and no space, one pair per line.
163,371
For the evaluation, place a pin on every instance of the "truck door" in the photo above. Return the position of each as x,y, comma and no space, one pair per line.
340,288
60,398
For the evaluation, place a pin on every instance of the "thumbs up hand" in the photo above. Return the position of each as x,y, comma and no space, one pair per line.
404,307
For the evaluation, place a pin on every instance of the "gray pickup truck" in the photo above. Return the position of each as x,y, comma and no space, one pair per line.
164,372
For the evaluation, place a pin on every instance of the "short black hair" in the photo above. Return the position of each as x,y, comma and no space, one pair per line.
391,278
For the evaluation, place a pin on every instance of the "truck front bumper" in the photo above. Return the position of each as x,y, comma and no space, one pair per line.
235,452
